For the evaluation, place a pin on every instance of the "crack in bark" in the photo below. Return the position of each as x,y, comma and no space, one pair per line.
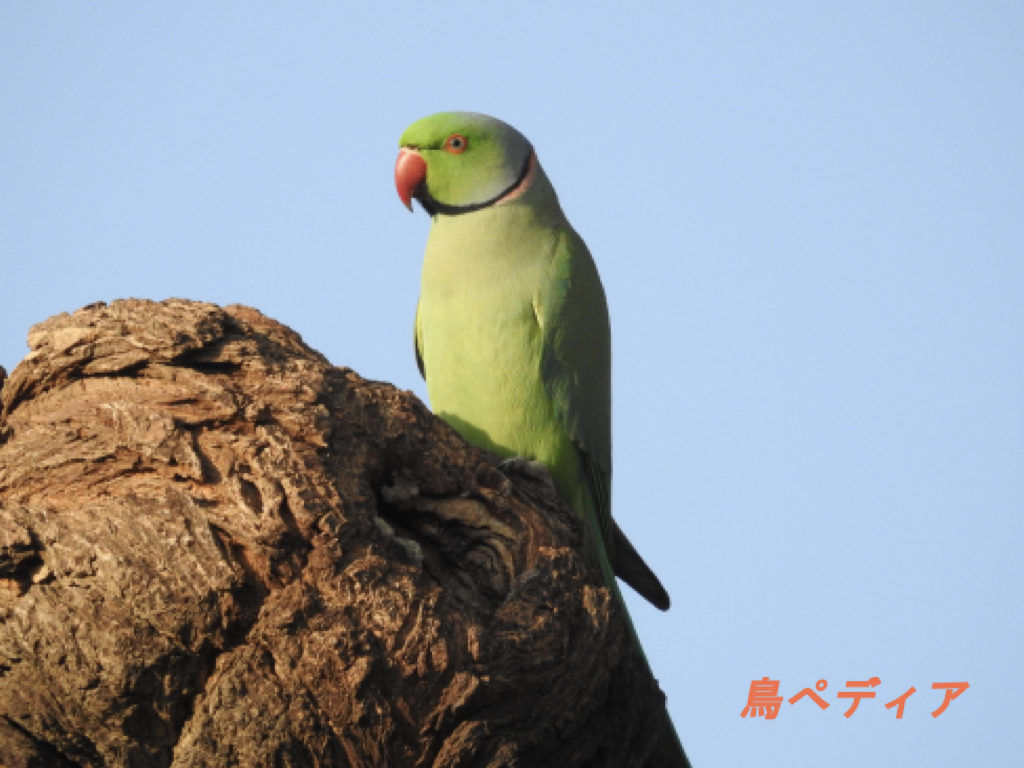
47,755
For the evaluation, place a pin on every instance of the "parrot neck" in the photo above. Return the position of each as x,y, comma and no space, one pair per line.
534,190
532,204
524,183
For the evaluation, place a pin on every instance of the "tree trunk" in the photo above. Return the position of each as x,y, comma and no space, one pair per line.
216,549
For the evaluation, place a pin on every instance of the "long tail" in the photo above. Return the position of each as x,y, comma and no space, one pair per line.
672,754
586,488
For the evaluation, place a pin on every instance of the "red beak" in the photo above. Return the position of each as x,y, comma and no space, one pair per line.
410,171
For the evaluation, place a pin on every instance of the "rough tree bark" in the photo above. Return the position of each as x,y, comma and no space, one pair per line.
216,549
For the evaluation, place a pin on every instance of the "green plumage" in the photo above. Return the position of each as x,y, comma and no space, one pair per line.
512,325
512,330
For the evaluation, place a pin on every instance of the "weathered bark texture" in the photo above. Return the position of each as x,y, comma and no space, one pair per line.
216,549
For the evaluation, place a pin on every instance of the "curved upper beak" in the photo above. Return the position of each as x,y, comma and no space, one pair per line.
410,171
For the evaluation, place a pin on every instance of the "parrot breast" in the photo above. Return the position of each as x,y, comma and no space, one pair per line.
479,333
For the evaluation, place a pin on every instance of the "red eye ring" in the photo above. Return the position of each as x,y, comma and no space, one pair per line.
456,144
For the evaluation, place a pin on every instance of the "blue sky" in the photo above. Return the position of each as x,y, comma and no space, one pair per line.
809,218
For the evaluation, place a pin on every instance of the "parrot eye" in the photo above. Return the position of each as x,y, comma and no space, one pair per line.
456,144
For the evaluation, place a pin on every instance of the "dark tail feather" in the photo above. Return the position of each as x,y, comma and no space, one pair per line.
673,755
631,568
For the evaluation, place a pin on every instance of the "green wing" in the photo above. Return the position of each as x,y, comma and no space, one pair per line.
576,370
576,360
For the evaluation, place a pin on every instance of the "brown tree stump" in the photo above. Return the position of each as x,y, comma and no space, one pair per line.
216,549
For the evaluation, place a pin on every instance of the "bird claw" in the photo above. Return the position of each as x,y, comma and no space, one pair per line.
534,470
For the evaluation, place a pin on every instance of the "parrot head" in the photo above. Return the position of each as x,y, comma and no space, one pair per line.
458,162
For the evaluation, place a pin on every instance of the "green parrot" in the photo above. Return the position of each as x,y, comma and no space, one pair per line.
512,332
